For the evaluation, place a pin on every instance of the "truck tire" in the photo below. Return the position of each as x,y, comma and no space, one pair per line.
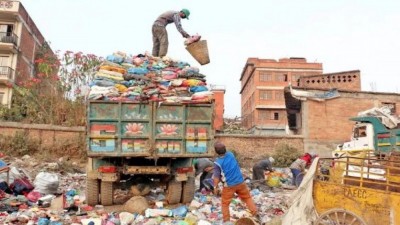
92,191
188,189
174,192
106,193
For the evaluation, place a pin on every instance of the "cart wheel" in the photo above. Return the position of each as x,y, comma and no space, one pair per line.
339,217
299,178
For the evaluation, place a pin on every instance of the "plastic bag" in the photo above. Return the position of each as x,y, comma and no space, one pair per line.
192,39
33,196
126,218
158,212
46,183
21,186
181,211
273,181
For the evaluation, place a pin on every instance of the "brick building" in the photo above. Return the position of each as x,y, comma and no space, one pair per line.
262,96
19,40
325,124
346,80
219,93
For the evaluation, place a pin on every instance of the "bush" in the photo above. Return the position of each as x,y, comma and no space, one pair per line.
18,145
284,155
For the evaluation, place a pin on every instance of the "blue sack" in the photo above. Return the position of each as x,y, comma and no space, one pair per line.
198,89
135,70
181,211
115,59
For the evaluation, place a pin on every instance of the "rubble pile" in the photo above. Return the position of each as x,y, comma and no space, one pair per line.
234,126
146,78
44,194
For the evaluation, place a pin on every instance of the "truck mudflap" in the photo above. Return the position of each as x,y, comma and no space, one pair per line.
183,173
147,170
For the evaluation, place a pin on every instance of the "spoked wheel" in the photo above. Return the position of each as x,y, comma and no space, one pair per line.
339,217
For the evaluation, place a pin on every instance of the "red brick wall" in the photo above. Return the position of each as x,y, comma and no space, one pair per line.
30,23
219,109
326,124
27,47
30,40
47,136
348,80
248,147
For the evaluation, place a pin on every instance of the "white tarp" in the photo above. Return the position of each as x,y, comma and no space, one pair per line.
384,113
302,211
314,95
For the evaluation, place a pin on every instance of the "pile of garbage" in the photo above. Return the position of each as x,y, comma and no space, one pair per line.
204,209
55,198
143,77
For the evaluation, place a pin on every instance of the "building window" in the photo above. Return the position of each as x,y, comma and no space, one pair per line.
1,97
281,77
279,95
391,106
6,29
276,116
264,95
265,115
265,76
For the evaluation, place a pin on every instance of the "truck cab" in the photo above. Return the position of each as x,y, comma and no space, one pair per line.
370,133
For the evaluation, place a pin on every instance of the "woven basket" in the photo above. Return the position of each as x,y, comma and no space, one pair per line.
246,221
199,51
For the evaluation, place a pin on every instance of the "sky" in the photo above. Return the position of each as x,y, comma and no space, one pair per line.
343,35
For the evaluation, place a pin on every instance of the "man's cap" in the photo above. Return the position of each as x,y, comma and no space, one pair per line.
186,12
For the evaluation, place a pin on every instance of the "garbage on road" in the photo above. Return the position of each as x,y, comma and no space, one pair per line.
40,202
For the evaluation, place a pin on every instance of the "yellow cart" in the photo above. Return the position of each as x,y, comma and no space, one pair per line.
358,191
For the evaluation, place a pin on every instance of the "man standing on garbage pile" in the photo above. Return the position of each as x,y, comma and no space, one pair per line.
205,167
160,35
227,171
300,165
261,166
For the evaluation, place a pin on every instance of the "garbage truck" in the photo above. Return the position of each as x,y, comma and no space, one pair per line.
376,129
146,144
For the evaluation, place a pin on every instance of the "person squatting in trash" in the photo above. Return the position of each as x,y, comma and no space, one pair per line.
205,167
261,167
159,30
300,164
227,171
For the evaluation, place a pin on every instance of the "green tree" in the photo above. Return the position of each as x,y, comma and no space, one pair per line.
54,94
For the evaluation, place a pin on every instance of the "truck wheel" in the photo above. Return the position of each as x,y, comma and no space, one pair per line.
188,190
106,193
92,191
174,191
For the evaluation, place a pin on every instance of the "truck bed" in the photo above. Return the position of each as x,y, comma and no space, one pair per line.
151,129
